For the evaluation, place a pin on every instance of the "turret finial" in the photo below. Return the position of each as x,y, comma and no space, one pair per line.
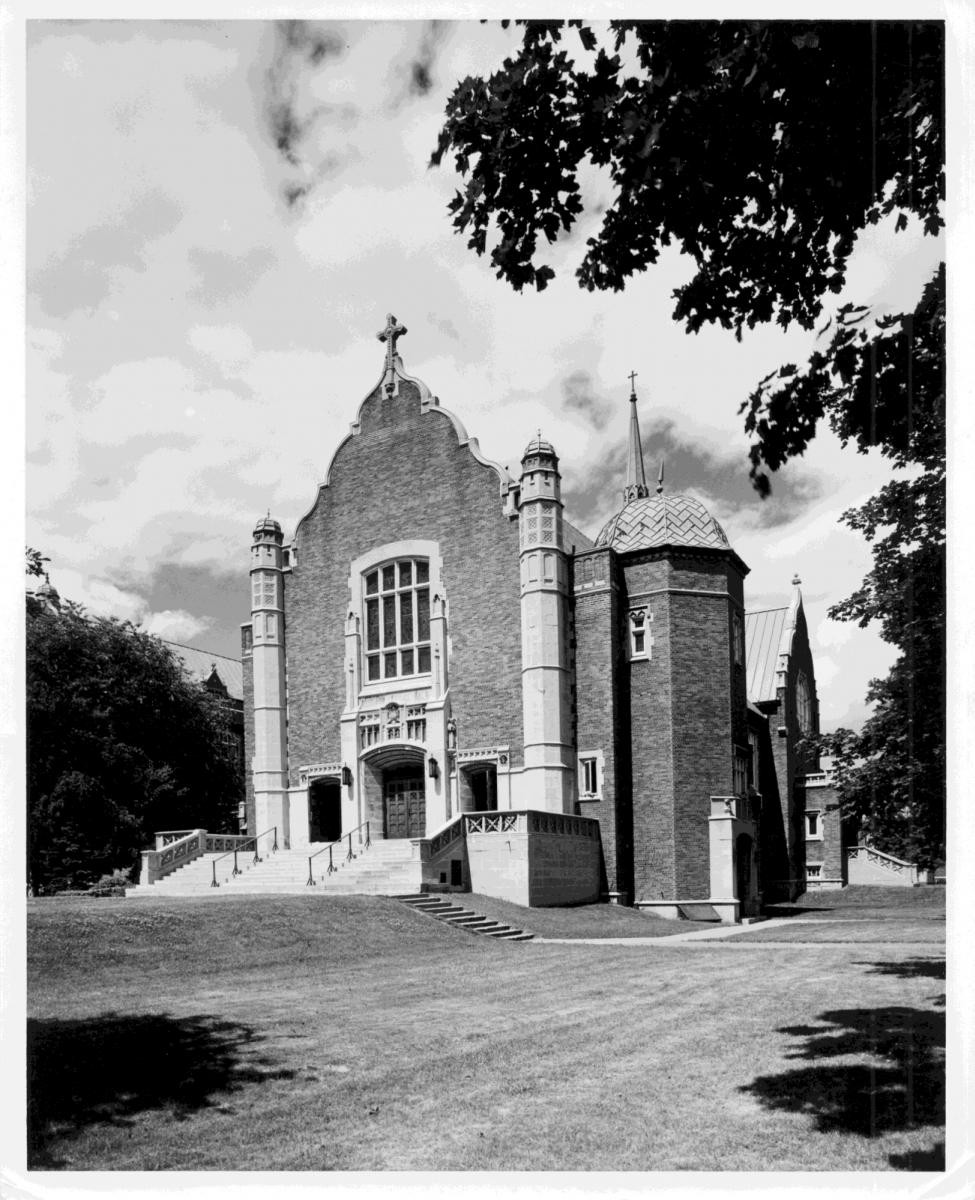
660,478
636,480
796,580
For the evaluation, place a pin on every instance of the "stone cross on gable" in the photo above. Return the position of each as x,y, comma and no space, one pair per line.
392,331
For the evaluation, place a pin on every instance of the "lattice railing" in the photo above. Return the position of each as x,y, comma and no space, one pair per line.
532,821
493,822
176,847
877,858
166,837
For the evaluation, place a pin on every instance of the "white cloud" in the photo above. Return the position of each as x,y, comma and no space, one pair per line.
178,399
175,625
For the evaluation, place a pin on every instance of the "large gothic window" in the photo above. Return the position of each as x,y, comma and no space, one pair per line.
398,619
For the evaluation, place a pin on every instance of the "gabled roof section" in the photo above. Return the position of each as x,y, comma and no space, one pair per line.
200,664
769,635
763,634
571,536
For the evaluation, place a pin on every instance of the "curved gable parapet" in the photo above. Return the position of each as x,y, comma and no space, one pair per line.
429,403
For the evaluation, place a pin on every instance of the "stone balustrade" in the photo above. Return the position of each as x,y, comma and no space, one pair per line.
175,848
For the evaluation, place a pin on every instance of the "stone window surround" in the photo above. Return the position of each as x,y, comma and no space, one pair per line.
817,836
358,569
634,627
591,756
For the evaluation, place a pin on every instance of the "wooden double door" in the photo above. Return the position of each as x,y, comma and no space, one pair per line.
405,806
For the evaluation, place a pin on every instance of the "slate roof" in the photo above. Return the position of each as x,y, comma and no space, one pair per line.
763,636
199,664
666,520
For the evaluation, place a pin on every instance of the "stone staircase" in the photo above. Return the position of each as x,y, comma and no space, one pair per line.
384,868
445,910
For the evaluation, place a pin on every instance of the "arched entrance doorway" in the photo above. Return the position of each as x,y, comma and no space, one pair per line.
404,803
394,792
324,810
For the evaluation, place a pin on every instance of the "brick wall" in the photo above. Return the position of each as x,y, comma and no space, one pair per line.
686,705
562,869
828,851
404,475
789,866
602,709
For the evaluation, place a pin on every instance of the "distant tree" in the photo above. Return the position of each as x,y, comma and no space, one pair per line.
35,562
120,743
882,383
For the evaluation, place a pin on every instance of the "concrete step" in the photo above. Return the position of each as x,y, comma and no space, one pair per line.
461,918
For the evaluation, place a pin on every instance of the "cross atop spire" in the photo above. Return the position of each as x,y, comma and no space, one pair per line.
636,480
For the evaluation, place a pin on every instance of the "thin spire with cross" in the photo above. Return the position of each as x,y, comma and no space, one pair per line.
636,479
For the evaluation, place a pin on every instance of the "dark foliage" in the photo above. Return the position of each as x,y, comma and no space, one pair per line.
35,561
120,743
883,385
759,148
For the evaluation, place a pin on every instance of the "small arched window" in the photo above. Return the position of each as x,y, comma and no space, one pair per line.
397,619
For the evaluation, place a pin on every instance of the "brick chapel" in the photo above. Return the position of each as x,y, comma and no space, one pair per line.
440,659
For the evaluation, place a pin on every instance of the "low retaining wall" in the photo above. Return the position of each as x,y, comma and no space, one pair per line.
534,858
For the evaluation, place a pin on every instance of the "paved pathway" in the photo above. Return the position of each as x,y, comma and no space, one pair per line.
697,937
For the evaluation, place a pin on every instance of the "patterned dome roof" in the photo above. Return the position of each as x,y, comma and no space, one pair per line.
538,445
665,520
265,524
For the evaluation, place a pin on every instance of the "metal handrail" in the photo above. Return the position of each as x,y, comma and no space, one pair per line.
349,856
236,849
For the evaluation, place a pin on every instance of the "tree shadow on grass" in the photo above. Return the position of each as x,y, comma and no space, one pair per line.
913,968
108,1069
901,1088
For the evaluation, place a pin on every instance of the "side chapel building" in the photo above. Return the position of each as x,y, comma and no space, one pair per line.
527,711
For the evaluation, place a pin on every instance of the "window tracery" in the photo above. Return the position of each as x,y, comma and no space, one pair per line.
397,619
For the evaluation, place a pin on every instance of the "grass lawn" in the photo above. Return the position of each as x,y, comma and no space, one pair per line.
297,1033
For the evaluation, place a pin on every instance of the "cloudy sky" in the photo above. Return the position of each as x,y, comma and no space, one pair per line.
219,217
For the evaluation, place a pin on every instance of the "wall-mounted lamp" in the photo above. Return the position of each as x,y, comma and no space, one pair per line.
433,769
346,777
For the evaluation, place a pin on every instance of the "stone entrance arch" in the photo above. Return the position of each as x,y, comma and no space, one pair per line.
394,792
